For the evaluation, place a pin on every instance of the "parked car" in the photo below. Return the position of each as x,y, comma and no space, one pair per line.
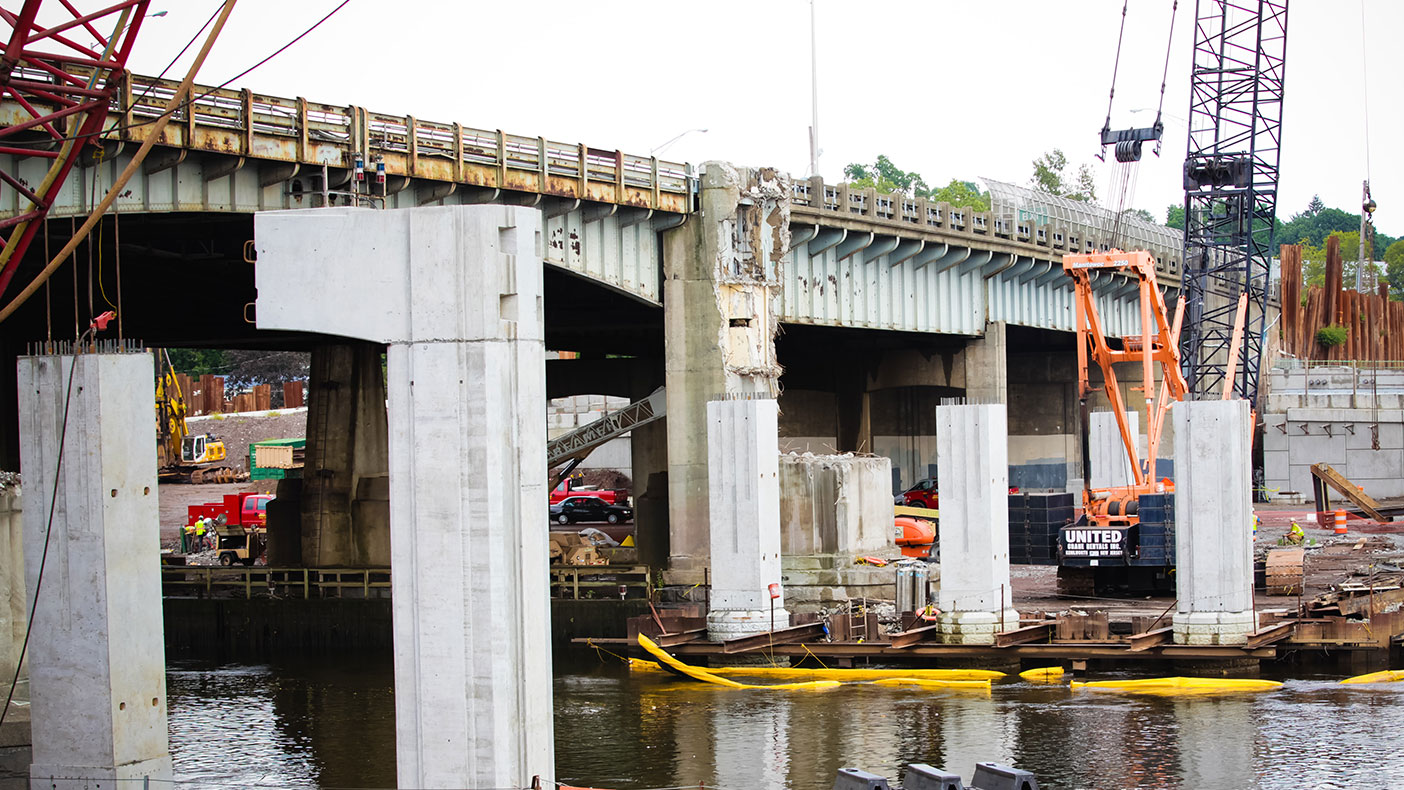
924,494
588,508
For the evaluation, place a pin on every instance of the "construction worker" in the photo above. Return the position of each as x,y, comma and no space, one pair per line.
1295,535
200,534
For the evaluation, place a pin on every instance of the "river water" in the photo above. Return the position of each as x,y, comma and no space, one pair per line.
330,724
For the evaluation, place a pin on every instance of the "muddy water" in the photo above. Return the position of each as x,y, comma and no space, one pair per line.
331,724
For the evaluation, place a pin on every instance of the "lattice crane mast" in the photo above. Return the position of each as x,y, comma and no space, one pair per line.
1230,179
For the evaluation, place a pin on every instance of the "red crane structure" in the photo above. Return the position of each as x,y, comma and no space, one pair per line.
59,72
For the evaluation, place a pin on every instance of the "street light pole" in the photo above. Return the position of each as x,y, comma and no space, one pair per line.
814,96
659,148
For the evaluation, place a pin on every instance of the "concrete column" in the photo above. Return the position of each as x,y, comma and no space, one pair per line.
972,459
834,508
987,365
743,456
648,446
1213,522
1110,464
345,512
97,661
721,289
456,293
14,612
855,418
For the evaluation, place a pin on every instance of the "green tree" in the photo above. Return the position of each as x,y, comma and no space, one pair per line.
962,194
1394,270
1315,206
196,362
886,177
1175,216
1048,176
1141,214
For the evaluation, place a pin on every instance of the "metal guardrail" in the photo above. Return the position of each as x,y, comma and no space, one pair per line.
1054,237
206,581
259,126
593,578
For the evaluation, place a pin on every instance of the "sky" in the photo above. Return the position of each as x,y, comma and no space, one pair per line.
947,89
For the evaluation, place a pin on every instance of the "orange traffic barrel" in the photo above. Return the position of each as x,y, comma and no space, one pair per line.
1340,522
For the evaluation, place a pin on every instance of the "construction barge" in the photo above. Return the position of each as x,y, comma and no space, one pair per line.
1359,624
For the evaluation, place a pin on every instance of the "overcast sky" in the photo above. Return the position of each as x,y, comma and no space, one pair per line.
948,89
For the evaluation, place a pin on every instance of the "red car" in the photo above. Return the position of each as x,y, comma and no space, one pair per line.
923,494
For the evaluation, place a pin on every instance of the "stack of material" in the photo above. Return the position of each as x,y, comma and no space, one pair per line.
571,549
1082,627
1284,571
1034,523
1374,325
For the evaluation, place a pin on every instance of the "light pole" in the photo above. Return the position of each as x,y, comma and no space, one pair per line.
814,96
656,149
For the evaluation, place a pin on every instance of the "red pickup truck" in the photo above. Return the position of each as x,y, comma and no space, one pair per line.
566,489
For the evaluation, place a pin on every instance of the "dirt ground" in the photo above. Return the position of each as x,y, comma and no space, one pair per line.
238,431
1367,548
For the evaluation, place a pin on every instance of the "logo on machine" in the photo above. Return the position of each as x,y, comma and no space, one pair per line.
1094,542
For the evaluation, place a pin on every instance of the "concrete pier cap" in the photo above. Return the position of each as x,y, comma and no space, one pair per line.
1213,523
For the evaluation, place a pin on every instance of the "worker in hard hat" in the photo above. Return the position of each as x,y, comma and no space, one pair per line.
1295,535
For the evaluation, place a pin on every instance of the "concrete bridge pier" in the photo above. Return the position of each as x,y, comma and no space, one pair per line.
975,597
456,293
345,484
744,462
1213,523
97,660
721,283
987,365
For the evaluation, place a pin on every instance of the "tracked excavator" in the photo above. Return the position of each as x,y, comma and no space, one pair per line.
183,457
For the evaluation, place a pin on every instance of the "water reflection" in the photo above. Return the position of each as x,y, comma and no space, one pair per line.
331,724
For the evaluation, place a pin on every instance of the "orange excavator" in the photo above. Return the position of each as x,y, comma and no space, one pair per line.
1108,547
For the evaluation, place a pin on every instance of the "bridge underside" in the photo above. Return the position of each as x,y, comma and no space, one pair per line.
184,283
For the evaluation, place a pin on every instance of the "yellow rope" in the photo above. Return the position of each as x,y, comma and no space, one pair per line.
598,649
811,653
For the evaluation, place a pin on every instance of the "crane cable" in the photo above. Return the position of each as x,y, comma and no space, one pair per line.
1165,73
1116,63
1124,175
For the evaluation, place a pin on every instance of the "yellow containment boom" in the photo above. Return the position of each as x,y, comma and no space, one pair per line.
1176,686
838,674
1043,675
1387,676
706,677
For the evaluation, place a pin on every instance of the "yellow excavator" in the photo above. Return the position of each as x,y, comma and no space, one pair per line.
182,457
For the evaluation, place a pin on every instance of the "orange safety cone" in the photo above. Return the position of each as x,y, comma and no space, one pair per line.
1340,522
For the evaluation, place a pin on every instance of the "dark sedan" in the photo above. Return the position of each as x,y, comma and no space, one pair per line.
586,508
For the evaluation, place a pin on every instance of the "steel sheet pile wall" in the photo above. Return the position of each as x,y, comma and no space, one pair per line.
1374,325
